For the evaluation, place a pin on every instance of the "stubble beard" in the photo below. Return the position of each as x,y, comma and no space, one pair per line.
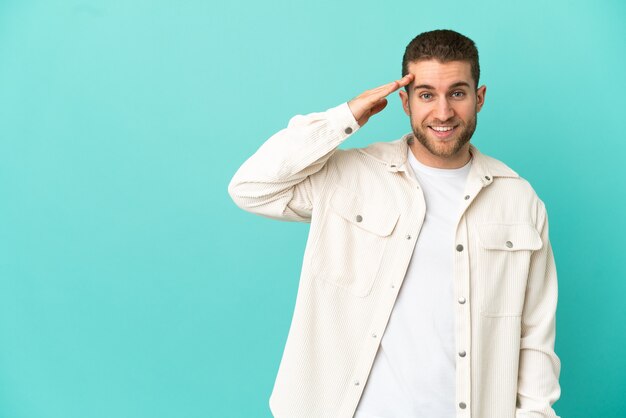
445,148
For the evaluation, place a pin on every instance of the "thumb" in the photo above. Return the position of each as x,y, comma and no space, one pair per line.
379,105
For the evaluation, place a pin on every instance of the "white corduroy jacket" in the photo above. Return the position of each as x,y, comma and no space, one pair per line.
366,209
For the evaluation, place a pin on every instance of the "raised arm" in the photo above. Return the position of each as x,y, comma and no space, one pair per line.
282,178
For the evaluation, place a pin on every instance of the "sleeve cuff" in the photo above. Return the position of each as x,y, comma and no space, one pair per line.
343,120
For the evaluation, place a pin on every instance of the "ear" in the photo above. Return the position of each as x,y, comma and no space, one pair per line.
480,97
405,101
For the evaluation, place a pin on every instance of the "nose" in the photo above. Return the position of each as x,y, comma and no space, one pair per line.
443,111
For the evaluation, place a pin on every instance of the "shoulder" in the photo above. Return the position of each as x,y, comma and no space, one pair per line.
501,172
510,186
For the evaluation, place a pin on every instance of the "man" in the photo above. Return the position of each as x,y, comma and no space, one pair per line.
428,285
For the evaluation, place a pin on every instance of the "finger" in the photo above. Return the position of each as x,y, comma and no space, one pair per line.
387,89
384,87
406,80
397,84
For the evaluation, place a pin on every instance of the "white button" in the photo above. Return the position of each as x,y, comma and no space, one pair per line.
461,300
356,383
462,353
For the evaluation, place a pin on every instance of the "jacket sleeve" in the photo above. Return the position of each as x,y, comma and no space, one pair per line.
539,367
283,177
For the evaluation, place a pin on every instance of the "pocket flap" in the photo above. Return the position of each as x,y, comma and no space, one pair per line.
509,237
370,216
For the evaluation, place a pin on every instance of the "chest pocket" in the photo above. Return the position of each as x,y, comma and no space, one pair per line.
352,241
503,264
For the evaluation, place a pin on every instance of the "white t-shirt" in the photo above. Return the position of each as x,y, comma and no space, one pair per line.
413,375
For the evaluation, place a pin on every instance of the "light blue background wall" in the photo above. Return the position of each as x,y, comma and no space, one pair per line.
131,285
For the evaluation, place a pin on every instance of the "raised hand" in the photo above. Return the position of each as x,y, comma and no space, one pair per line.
370,102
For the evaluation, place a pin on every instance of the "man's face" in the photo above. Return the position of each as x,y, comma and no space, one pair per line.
442,96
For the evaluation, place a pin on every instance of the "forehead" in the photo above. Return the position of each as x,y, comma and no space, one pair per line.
440,75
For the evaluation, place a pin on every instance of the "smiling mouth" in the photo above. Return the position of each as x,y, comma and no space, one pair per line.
443,131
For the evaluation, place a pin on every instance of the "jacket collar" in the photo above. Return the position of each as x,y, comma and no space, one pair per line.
394,155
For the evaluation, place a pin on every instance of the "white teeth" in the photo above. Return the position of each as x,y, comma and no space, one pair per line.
441,129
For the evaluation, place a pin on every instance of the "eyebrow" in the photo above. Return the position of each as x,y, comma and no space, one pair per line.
429,87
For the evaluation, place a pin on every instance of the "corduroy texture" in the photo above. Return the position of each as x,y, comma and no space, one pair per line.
365,217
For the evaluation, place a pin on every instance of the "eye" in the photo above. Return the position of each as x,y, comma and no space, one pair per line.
425,94
460,93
